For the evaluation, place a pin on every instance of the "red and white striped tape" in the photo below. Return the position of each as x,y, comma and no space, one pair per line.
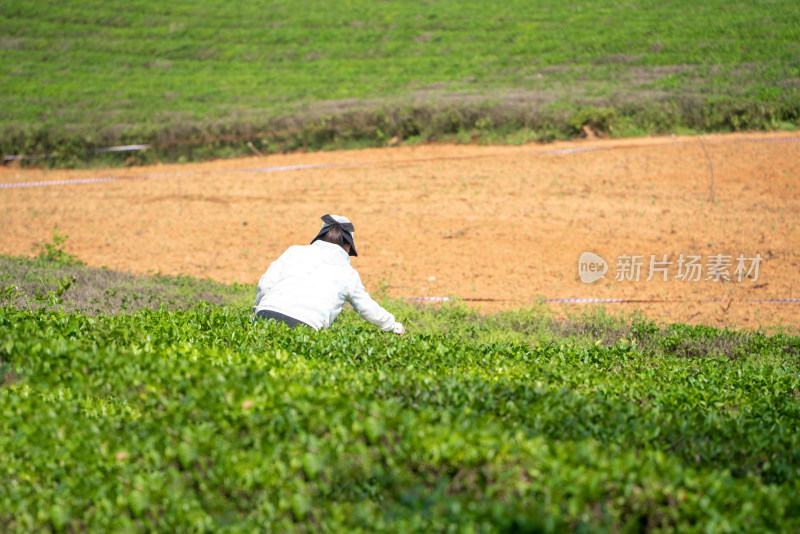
283,168
150,176
595,300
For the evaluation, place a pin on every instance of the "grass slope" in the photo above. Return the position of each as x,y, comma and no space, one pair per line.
199,420
77,75
44,282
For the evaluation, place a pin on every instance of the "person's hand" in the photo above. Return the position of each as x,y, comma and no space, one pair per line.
398,329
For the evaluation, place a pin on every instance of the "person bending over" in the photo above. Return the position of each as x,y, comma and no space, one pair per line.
309,284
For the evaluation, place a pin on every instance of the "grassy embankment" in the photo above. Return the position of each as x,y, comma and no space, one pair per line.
81,75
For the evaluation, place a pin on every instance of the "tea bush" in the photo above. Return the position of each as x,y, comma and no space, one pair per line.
201,420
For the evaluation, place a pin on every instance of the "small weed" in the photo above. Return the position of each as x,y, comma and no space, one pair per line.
10,292
54,251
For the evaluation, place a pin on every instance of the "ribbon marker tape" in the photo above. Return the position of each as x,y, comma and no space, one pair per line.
594,300
125,148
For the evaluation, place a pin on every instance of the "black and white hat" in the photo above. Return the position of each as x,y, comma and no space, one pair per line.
329,221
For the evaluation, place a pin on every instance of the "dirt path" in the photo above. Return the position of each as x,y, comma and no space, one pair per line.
475,222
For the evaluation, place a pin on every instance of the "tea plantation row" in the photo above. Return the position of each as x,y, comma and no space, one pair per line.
81,75
200,420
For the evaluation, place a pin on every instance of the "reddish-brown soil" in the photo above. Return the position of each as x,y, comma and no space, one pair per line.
504,223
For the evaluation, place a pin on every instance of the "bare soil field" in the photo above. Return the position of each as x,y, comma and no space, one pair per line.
503,225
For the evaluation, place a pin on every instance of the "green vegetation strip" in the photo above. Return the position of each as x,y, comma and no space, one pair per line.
82,75
199,420
55,278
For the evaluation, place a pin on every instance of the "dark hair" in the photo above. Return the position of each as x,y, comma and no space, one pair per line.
334,235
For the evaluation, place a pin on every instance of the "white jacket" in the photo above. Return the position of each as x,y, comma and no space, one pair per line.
310,283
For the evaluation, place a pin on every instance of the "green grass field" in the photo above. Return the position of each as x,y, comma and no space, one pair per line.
79,75
199,420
